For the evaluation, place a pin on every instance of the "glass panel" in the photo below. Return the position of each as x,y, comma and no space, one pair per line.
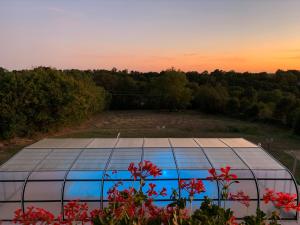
183,143
242,174
238,143
239,209
247,186
102,143
211,191
85,175
156,143
130,143
286,186
11,191
7,210
272,174
62,143
59,159
122,157
256,158
210,142
92,159
48,175
25,160
193,174
162,157
166,174
13,175
53,207
221,157
83,190
191,158
117,175
43,190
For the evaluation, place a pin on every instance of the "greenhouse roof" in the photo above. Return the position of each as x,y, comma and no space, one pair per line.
51,172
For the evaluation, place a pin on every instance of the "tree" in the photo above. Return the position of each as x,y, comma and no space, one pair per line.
171,91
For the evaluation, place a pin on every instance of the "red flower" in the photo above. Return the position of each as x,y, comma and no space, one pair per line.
232,221
163,192
240,197
225,174
33,215
151,191
281,200
193,186
144,169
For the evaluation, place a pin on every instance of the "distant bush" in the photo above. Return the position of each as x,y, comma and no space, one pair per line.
44,98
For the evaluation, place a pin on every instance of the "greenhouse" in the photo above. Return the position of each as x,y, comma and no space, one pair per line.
52,172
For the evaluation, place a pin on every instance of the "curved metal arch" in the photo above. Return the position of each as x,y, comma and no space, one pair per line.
176,164
292,176
27,178
218,184
64,182
253,174
105,169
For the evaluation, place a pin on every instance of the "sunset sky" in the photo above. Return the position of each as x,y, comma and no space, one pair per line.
151,35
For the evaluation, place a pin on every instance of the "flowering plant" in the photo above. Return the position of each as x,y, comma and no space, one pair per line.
135,206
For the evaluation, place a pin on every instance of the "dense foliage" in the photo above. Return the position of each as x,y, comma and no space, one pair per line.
273,98
136,205
45,98
38,98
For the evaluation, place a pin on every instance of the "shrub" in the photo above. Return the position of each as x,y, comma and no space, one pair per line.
43,99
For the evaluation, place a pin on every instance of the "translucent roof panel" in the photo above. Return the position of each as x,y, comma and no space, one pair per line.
210,142
238,143
36,191
130,143
59,159
122,157
221,157
156,143
92,159
62,143
102,143
162,157
183,143
11,191
272,174
256,158
26,160
83,190
191,158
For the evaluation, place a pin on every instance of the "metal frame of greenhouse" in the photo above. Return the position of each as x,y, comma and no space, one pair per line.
51,172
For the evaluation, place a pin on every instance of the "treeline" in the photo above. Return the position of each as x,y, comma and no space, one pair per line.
271,98
43,98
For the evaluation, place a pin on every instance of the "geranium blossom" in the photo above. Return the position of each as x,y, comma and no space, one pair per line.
281,200
241,197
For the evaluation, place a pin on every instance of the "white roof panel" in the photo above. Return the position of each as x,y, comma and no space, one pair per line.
210,143
130,143
183,143
238,143
102,143
62,143
157,143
